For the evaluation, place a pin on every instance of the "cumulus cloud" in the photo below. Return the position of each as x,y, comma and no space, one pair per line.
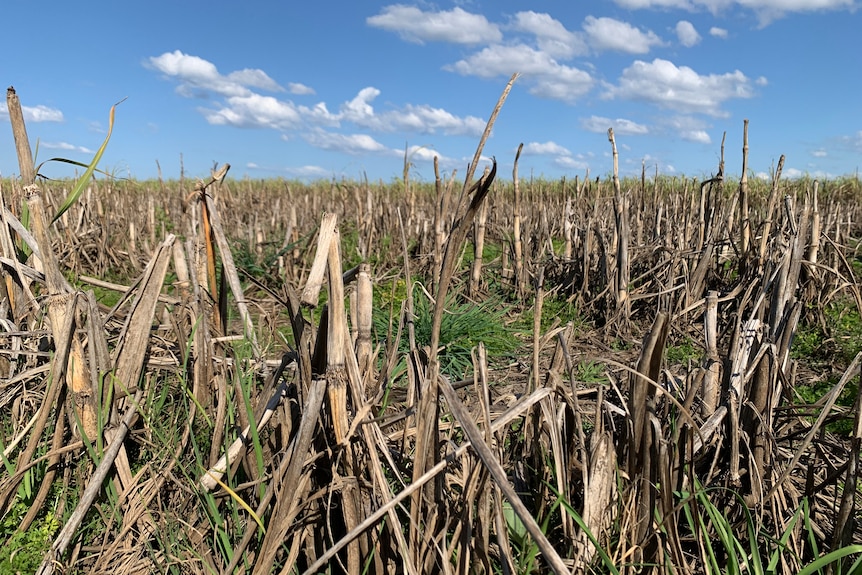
41,114
621,126
687,34
256,111
415,25
421,119
688,128
718,32
572,162
308,171
354,144
427,119
35,113
561,156
544,148
640,4
680,88
615,35
697,136
821,153
766,10
551,36
300,89
66,147
359,109
426,155
546,77
238,105
196,75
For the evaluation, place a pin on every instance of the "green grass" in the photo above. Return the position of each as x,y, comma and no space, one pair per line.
835,345
555,310
682,352
464,325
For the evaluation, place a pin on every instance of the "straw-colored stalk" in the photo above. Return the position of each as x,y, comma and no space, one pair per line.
520,280
622,228
744,215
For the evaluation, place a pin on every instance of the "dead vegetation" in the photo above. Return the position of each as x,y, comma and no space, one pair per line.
193,380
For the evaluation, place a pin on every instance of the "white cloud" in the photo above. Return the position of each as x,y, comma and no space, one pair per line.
426,155
299,89
668,86
561,156
196,74
359,109
640,4
545,149
426,119
547,78
821,153
622,126
67,147
688,128
41,114
611,34
256,79
571,163
766,10
551,36
687,34
718,32
422,119
308,172
354,144
242,107
456,25
696,136
256,111
35,113
769,10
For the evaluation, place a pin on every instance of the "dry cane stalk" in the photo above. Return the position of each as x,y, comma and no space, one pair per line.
428,406
93,489
520,280
364,348
533,383
711,382
814,247
229,272
478,246
843,532
752,331
622,221
336,376
311,293
641,409
517,410
279,524
743,196
770,211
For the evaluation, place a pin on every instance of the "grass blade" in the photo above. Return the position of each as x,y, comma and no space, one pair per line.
81,185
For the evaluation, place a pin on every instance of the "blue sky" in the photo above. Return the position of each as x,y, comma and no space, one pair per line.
338,89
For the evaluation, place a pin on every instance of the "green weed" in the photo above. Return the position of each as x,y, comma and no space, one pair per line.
24,551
